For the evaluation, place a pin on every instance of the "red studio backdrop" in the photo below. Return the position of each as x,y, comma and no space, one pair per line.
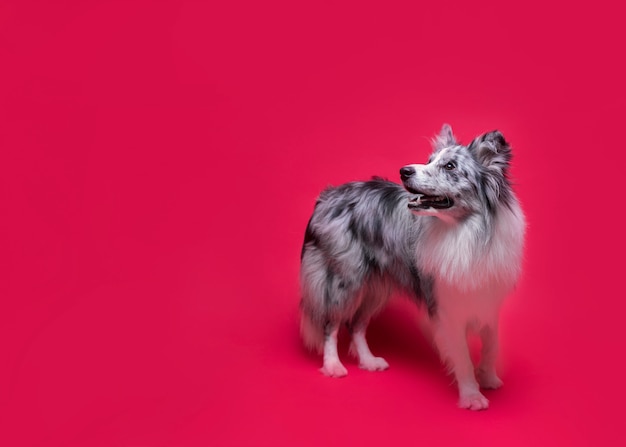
159,162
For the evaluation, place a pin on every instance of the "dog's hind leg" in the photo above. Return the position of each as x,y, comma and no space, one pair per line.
371,304
360,348
332,365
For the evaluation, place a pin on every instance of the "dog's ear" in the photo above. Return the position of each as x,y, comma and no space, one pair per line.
492,151
445,138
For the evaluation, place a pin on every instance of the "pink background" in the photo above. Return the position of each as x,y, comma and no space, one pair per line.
158,164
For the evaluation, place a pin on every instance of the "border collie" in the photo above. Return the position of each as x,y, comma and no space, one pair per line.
451,238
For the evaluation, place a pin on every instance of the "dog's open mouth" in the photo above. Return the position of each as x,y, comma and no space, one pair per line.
423,202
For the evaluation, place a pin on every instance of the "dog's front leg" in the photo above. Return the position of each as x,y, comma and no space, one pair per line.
451,339
486,371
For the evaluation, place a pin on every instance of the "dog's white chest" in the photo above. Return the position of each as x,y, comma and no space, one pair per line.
459,256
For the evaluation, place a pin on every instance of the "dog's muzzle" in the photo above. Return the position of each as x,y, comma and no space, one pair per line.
422,200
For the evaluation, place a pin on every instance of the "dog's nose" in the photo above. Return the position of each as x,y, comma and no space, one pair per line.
406,172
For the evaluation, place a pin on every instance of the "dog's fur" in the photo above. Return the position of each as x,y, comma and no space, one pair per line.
452,239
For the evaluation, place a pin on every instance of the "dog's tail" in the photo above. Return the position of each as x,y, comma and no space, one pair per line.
312,333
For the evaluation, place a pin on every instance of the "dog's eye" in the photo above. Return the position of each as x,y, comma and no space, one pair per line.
449,166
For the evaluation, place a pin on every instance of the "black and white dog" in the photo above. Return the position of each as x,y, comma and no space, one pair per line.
451,238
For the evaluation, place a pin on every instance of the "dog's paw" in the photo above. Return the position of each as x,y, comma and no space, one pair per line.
374,364
473,401
334,369
488,380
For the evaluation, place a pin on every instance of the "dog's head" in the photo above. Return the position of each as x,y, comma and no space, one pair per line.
460,180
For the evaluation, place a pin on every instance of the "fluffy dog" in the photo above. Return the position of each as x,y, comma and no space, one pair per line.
451,239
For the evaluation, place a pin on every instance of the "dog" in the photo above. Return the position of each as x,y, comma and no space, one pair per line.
451,238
